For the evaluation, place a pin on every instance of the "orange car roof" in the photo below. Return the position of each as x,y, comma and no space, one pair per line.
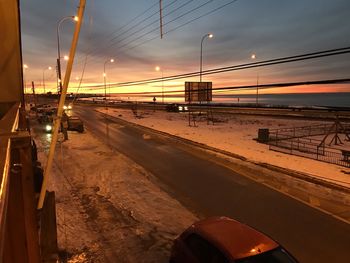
236,239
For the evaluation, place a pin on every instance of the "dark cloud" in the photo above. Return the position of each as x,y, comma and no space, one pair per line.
269,28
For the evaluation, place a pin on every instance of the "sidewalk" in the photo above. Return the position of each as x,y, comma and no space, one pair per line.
108,208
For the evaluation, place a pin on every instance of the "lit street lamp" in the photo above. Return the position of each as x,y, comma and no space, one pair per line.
161,70
201,56
49,68
253,56
75,18
104,77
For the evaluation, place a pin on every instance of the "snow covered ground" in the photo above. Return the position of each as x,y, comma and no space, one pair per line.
236,134
109,209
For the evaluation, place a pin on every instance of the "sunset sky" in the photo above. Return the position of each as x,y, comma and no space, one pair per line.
115,29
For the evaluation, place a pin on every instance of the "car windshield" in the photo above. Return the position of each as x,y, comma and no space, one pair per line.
278,255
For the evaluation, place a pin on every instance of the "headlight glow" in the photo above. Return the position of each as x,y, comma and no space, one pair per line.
69,107
185,108
180,108
64,107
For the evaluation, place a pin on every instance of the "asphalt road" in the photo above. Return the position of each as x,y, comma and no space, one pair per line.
211,189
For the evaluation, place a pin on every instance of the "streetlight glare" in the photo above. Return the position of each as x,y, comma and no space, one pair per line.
49,68
157,68
253,56
76,18
25,66
66,57
112,60
210,35
104,74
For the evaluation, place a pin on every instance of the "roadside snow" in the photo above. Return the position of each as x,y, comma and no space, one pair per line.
108,208
236,134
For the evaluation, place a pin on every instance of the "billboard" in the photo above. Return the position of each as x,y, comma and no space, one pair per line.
198,91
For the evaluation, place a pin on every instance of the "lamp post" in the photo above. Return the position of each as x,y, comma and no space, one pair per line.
201,56
253,56
161,70
49,68
75,18
104,78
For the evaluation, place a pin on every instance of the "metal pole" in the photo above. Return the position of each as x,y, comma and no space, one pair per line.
104,79
257,89
161,19
162,88
61,103
201,59
59,51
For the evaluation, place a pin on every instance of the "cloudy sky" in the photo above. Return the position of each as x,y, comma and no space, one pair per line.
128,31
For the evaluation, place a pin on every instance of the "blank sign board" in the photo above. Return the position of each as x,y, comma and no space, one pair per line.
198,91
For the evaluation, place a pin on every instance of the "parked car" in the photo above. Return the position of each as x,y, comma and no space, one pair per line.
75,124
224,240
174,107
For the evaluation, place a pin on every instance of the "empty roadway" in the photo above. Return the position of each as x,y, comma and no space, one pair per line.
208,188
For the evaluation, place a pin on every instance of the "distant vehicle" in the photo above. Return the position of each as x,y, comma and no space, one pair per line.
224,240
174,107
68,107
75,124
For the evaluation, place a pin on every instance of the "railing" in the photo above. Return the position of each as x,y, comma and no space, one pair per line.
18,227
310,148
304,131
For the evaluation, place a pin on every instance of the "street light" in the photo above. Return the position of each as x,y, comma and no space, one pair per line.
201,56
253,56
74,18
104,77
157,68
49,68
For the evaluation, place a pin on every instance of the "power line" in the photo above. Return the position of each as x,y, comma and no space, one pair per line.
283,60
158,27
126,24
97,50
186,23
263,86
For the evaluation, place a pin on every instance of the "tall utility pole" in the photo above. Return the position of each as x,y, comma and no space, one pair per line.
161,19
34,95
61,103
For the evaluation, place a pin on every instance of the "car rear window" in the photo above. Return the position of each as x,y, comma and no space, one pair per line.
278,255
203,250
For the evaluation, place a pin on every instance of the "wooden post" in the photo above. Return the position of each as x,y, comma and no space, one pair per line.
48,229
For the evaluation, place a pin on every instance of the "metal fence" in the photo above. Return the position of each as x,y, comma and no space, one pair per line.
310,148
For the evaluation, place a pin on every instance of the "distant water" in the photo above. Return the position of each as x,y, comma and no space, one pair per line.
291,99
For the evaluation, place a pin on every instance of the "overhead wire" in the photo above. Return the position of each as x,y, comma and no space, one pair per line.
125,25
184,24
262,86
270,62
108,45
158,27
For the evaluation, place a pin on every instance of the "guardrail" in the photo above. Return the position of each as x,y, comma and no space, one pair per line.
19,241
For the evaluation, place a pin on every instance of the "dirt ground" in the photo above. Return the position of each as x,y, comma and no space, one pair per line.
108,208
